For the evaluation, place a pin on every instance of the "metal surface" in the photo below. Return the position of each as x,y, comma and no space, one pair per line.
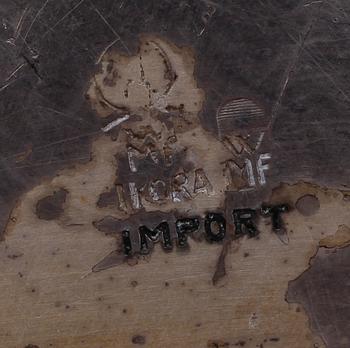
276,93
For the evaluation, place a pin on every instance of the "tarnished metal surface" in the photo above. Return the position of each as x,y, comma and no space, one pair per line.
219,127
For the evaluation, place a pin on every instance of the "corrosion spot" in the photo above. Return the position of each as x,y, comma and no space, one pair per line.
138,339
217,344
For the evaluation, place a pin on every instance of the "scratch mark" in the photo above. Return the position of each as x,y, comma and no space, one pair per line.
62,141
115,123
6,85
290,68
106,49
111,28
34,20
46,163
201,32
61,19
313,3
64,114
19,67
32,66
20,23
261,137
327,75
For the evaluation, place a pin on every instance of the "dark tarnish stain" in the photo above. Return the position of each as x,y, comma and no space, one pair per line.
147,169
236,202
51,207
138,339
307,205
220,269
31,346
323,290
108,198
164,118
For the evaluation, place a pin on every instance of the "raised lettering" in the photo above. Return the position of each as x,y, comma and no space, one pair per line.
134,195
275,212
179,190
244,223
219,222
121,198
183,227
127,243
158,190
201,182
133,154
146,235
261,167
250,173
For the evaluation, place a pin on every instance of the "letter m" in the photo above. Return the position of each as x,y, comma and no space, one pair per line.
148,237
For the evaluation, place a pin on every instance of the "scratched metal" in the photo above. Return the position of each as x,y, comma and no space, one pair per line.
291,56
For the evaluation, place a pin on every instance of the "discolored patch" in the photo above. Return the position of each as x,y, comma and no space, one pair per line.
339,240
51,207
220,270
163,156
327,277
157,78
108,198
308,205
163,166
249,310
